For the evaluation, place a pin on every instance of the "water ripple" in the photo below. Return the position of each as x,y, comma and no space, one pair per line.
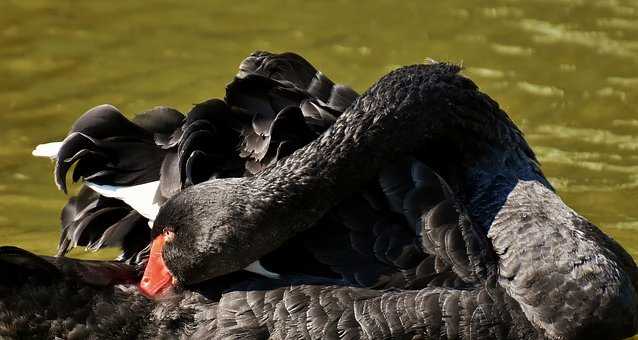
593,136
540,90
547,32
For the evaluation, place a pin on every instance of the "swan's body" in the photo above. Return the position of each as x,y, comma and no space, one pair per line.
561,273
488,249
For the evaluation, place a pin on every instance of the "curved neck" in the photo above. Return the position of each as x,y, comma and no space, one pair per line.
425,111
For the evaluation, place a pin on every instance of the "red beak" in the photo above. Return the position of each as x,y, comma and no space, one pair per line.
157,278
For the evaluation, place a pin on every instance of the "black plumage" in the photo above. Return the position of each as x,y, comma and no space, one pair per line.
288,100
157,145
95,222
290,103
109,149
483,242
422,224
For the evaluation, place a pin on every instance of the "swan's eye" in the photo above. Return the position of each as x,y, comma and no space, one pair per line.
169,235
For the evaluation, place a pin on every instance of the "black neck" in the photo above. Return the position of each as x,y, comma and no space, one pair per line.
483,188
430,112
427,112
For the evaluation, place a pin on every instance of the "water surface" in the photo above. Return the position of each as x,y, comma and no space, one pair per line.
566,71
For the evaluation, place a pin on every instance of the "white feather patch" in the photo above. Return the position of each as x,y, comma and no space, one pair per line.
49,150
144,198
257,268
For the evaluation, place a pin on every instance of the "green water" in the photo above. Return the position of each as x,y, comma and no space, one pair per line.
566,71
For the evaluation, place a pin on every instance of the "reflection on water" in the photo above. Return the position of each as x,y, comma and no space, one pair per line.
566,71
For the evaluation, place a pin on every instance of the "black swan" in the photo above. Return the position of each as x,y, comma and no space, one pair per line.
493,252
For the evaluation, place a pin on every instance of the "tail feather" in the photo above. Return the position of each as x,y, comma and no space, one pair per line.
207,145
269,88
115,234
133,166
95,221
170,178
292,68
110,149
160,120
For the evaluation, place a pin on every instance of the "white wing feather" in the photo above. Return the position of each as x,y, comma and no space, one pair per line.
144,198
49,150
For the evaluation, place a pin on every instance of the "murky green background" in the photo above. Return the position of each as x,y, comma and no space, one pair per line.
566,71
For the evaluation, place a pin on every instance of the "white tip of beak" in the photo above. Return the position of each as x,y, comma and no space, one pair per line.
257,268
49,150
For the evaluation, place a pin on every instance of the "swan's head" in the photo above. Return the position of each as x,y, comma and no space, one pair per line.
192,231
